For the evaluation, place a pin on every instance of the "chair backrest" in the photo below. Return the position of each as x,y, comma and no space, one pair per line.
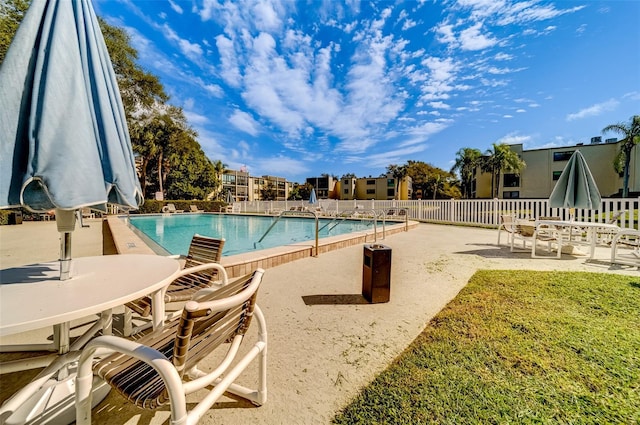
171,207
194,208
614,218
204,249
214,319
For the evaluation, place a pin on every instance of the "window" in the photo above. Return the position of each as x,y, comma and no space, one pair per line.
513,194
562,156
346,181
556,175
511,180
371,182
371,191
391,192
346,191
391,182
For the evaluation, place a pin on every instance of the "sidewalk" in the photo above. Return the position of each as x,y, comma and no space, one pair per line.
321,355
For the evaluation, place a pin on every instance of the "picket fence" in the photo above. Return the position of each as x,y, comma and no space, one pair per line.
473,212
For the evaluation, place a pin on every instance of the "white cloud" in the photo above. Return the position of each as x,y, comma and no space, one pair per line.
194,118
513,139
244,122
472,39
530,11
176,8
439,105
520,111
594,110
507,116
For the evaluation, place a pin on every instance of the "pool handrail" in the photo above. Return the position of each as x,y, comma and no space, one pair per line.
292,213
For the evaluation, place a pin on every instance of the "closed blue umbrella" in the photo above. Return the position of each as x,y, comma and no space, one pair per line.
64,139
312,197
576,187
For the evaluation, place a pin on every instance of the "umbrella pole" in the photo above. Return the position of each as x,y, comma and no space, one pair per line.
66,221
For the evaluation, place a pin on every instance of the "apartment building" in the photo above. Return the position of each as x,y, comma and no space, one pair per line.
378,188
245,187
257,184
544,167
323,185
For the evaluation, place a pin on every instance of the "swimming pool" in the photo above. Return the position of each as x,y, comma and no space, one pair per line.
173,232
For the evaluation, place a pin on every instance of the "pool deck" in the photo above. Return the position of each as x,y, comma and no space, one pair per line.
321,355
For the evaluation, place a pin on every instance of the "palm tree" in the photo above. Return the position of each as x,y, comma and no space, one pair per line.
631,133
219,168
467,160
500,158
399,172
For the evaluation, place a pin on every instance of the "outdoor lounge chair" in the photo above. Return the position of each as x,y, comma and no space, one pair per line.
152,371
529,233
202,250
171,208
194,209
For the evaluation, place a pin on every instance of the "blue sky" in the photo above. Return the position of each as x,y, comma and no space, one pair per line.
300,88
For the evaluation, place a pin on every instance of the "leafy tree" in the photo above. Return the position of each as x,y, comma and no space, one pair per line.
192,175
430,181
631,133
294,194
500,158
467,160
268,192
301,191
11,14
140,90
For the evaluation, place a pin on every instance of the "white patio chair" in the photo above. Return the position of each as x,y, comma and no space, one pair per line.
631,239
194,277
162,367
507,224
532,234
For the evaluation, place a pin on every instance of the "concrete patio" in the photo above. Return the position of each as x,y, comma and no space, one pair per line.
321,355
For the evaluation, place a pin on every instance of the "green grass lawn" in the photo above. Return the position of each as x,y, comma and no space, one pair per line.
518,347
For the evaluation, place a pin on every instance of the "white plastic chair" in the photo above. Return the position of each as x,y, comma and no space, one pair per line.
162,367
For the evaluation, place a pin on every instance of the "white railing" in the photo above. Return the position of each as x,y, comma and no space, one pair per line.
474,212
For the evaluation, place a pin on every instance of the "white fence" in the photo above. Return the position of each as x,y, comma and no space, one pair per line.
475,212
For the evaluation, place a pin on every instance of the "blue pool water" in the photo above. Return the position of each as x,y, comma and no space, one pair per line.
174,232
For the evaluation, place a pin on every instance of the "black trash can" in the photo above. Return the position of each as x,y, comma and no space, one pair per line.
15,217
376,273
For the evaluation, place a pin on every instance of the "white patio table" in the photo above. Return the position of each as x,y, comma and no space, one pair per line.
33,297
570,225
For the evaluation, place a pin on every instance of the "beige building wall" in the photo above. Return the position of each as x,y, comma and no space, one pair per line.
544,166
379,188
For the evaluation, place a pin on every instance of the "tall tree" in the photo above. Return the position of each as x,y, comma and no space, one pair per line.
631,133
467,161
399,172
501,158
219,168
140,90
